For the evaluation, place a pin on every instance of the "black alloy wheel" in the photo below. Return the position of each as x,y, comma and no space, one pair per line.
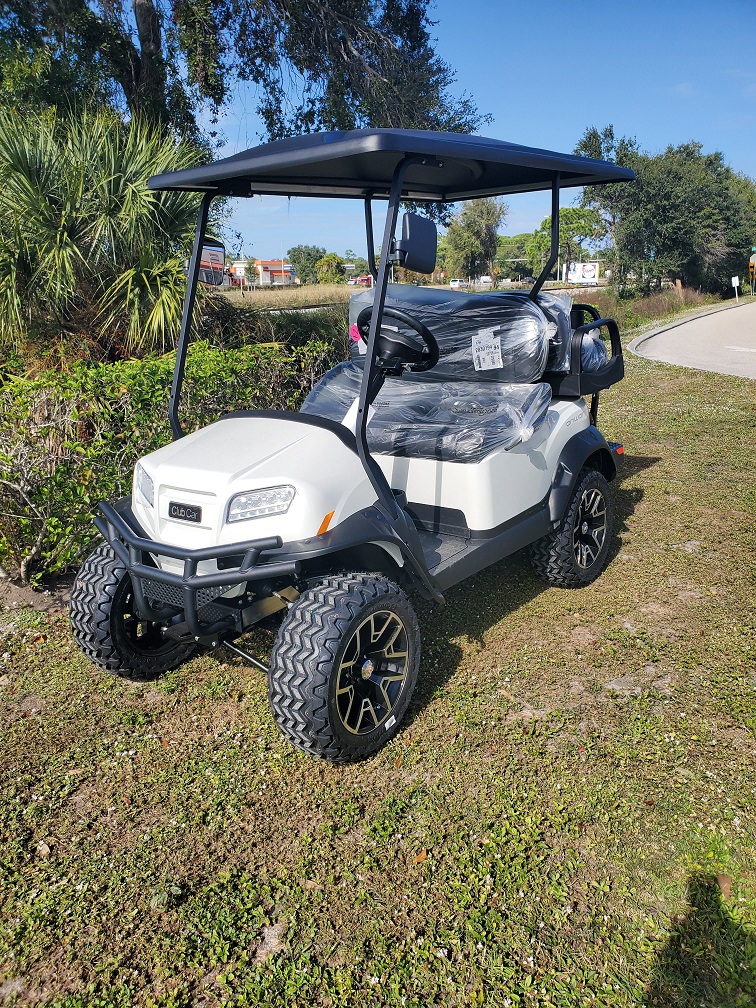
590,527
372,672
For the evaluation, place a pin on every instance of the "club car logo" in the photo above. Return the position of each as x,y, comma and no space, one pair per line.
184,512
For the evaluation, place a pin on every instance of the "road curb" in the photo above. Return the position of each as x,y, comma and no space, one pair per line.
634,344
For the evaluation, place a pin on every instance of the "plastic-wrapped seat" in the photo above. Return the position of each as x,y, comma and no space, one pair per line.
484,393
450,421
481,337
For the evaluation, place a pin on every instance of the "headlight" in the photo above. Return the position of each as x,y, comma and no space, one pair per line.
144,485
259,503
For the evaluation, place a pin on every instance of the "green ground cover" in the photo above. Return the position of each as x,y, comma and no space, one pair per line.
566,818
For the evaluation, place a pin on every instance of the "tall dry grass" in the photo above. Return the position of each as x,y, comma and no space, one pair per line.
310,295
634,312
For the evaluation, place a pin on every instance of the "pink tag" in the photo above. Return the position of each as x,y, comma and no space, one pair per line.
354,332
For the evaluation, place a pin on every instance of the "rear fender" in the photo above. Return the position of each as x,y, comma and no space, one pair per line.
586,450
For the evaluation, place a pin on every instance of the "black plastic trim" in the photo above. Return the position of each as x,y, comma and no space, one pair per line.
451,521
310,419
435,518
572,459
510,537
360,529
578,383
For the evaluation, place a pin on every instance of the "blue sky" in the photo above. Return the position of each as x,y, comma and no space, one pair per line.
664,72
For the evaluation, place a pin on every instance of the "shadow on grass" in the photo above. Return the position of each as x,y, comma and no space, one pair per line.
709,960
627,495
476,605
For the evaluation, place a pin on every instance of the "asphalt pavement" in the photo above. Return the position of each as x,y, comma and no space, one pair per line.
723,341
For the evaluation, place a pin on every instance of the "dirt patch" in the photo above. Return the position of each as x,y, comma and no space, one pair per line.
52,597
271,942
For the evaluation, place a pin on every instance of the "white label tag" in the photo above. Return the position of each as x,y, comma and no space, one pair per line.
350,420
486,348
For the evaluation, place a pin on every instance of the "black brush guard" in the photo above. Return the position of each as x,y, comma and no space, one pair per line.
189,592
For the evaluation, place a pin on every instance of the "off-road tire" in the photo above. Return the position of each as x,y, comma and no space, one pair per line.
310,658
106,628
554,558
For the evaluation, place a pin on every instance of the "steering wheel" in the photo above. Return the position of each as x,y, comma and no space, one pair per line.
395,347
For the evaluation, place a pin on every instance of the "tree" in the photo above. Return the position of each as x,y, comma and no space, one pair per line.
511,260
607,200
337,64
360,263
304,259
330,269
577,227
687,216
470,244
91,261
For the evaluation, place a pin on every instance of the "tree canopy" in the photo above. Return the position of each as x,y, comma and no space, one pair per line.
471,241
304,259
687,216
335,64
578,226
511,260
330,269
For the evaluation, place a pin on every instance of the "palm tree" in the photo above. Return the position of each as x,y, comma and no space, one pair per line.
91,261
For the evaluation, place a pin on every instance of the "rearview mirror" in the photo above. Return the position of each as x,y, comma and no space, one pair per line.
212,264
416,249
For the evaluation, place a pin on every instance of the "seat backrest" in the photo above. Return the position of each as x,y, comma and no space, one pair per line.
482,337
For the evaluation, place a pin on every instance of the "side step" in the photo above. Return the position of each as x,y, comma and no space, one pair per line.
451,559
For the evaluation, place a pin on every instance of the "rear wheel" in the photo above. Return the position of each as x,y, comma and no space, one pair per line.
576,553
107,627
344,666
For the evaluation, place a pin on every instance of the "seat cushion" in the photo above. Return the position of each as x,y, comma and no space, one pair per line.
481,337
451,421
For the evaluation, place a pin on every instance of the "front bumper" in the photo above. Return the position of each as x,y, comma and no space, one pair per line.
188,593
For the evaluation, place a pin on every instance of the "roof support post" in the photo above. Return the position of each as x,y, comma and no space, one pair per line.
386,500
554,254
369,236
185,331
373,470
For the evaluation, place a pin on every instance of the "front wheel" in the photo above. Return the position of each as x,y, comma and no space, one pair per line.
108,628
344,666
576,553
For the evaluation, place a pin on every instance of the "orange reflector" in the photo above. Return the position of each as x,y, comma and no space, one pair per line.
325,523
621,450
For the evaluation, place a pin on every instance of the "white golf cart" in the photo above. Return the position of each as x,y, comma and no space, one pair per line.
456,434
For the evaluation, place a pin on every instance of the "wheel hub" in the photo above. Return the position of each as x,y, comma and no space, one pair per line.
372,672
590,528
368,667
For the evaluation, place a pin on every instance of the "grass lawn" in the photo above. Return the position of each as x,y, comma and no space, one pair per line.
566,818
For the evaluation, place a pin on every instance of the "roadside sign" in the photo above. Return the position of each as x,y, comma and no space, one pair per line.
736,284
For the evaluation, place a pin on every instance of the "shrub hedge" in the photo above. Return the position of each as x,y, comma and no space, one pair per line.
68,441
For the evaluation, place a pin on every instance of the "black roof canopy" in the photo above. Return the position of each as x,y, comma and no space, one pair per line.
361,163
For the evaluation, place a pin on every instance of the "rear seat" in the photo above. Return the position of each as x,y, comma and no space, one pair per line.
484,393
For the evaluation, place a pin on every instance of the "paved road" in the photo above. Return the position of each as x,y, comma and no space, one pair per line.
724,342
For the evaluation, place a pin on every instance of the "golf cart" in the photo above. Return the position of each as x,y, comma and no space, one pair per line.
457,433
